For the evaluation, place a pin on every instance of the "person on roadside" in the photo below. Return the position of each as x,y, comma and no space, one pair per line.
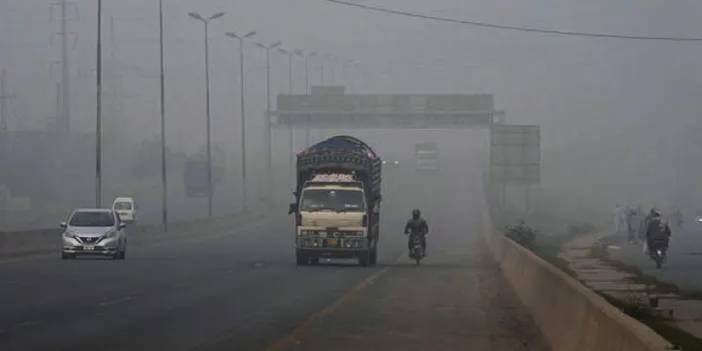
657,233
630,215
619,219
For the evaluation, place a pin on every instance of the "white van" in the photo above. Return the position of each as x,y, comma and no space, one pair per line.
125,208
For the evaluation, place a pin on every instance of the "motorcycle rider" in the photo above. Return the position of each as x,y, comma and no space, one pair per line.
417,226
657,232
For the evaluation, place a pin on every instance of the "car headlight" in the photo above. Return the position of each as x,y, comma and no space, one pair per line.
69,235
110,234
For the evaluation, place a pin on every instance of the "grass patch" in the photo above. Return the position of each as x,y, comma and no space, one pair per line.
640,311
549,247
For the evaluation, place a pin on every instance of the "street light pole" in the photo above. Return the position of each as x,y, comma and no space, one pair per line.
291,131
206,21
98,121
267,122
309,91
164,173
244,190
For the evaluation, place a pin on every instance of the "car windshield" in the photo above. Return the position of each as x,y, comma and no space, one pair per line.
123,206
92,219
332,200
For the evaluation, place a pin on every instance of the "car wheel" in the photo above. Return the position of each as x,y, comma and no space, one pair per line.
65,256
123,253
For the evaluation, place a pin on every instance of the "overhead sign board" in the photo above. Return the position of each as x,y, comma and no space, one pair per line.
384,111
515,154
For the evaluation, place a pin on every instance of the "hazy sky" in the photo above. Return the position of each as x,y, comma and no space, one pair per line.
605,102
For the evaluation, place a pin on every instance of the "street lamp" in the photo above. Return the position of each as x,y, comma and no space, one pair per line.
291,132
307,86
206,22
267,122
98,120
164,173
244,202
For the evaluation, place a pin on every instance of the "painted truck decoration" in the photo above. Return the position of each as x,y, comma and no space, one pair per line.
337,202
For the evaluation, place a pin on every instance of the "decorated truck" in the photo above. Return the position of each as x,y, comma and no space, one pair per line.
337,202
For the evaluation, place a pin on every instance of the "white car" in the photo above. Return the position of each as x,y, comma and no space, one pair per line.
94,232
125,208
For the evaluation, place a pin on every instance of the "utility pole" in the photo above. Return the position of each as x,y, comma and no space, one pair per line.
65,118
98,124
3,141
164,173
3,102
63,114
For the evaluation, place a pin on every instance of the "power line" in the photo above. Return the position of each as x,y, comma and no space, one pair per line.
509,27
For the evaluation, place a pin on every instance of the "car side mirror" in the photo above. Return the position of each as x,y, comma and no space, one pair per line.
63,225
292,209
122,225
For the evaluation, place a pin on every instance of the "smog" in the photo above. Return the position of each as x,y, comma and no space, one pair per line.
202,113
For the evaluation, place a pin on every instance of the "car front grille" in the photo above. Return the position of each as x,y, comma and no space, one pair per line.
89,240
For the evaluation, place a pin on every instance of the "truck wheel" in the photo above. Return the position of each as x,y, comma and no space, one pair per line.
314,260
301,259
374,256
363,259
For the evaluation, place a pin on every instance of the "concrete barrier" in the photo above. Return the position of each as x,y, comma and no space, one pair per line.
22,243
569,315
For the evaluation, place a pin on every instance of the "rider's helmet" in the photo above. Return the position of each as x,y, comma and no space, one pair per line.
416,213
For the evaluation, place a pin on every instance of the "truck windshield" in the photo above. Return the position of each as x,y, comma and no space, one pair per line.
332,200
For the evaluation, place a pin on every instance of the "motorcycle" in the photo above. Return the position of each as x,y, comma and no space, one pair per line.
417,252
658,252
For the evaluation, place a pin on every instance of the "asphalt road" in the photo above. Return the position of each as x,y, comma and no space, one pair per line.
240,290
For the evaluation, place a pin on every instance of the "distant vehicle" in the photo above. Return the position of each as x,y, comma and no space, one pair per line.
126,209
196,182
427,156
337,202
94,232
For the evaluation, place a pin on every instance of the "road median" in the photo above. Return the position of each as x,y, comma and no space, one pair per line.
570,316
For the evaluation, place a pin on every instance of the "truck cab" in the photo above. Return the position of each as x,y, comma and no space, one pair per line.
332,216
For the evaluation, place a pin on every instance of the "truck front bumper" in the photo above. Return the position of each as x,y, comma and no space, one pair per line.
316,243
333,253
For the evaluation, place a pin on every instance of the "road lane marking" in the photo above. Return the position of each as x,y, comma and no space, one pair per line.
296,335
115,301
